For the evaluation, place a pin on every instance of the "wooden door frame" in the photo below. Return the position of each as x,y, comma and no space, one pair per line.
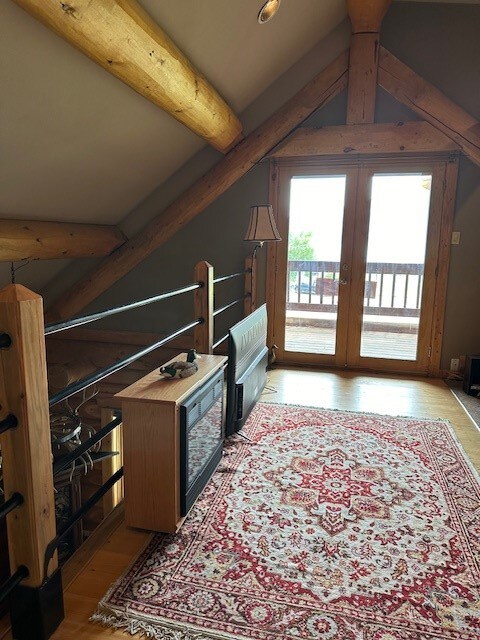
446,202
421,364
281,211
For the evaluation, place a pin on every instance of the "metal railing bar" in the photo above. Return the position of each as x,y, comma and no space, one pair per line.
77,322
7,423
405,297
86,506
231,304
233,275
419,286
369,285
380,295
219,342
394,275
82,384
9,505
9,585
65,461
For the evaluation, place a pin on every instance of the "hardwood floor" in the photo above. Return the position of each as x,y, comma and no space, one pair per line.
420,397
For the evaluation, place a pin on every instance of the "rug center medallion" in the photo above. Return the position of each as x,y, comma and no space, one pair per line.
338,490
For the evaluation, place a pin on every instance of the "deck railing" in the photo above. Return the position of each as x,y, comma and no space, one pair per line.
391,289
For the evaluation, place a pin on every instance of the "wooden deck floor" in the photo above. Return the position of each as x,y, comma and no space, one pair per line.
375,344
385,394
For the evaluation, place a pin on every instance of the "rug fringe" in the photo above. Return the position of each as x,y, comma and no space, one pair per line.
136,626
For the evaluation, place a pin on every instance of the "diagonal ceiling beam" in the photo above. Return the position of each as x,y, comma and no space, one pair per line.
121,37
431,104
325,86
33,239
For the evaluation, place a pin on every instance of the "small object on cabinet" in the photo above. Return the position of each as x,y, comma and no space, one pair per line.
181,369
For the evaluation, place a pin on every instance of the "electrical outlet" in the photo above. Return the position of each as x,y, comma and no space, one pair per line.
454,364
455,237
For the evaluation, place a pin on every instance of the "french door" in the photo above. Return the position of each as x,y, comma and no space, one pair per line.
355,280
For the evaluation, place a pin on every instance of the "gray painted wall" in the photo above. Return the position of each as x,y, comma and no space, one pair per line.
215,235
441,43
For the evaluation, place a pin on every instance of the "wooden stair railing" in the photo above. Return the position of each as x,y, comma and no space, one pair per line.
35,586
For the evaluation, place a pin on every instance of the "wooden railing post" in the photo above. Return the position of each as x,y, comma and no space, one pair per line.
26,449
250,303
203,306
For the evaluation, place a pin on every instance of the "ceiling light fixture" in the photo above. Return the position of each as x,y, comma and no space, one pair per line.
268,10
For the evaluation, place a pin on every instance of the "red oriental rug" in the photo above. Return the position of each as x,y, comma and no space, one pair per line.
329,525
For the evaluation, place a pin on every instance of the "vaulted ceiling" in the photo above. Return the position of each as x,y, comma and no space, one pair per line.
79,145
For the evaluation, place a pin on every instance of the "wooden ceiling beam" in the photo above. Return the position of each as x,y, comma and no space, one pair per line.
431,104
325,86
367,139
121,37
362,78
366,17
34,240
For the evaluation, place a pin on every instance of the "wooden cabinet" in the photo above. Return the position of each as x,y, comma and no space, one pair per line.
165,422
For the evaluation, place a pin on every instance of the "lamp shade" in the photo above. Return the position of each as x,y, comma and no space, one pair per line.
262,227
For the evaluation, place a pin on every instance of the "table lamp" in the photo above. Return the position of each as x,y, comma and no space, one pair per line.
262,227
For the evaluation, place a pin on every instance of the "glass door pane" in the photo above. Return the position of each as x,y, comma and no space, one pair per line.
397,238
316,210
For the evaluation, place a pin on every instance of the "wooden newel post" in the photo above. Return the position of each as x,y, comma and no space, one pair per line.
36,604
26,449
250,303
203,307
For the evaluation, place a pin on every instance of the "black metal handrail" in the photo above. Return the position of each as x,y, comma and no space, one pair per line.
219,342
233,275
230,304
77,322
82,384
9,505
9,585
66,460
74,518
7,423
